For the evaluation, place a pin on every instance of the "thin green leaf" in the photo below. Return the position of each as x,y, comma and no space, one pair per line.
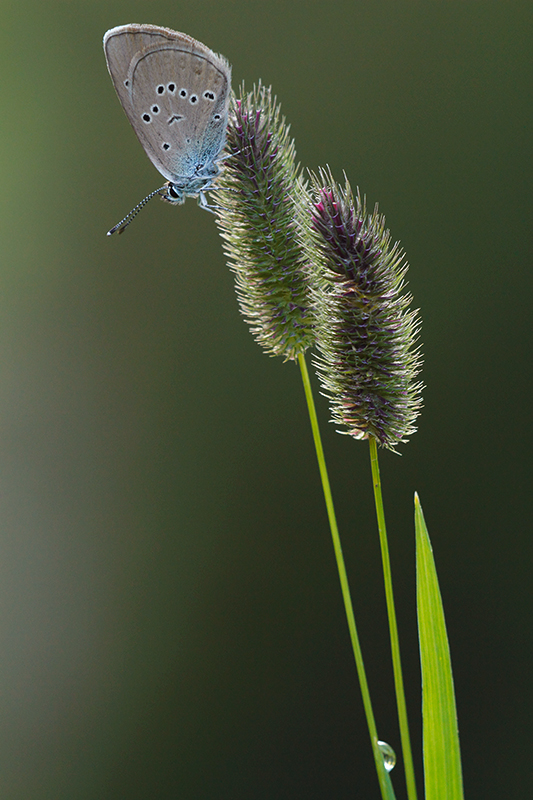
442,757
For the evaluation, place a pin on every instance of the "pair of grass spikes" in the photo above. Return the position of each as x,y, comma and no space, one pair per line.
314,269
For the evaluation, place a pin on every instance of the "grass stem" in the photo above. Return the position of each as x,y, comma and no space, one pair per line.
384,780
393,628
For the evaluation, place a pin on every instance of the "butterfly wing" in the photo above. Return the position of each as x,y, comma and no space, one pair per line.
175,92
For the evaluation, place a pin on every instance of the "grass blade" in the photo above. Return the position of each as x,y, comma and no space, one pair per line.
442,757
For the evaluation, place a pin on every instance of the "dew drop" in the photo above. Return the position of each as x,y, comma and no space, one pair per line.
389,756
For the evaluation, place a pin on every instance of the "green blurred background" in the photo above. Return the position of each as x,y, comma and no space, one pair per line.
170,614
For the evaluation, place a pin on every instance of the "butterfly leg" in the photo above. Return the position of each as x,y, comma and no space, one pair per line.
203,203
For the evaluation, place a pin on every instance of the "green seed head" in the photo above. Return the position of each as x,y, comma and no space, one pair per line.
260,191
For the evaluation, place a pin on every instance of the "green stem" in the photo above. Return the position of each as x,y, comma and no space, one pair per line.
393,628
383,777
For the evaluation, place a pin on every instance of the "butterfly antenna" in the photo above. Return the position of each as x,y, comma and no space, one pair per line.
121,226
